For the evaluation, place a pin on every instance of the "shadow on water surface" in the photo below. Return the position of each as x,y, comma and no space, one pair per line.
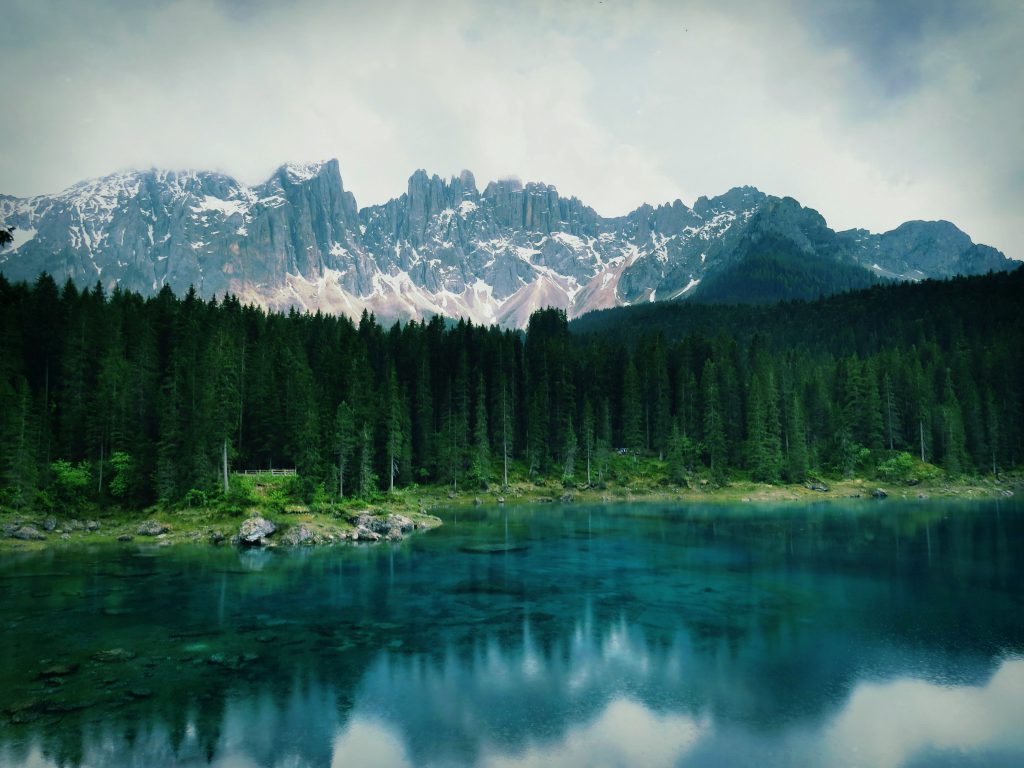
861,634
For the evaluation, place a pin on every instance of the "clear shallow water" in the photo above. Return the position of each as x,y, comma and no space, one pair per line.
872,634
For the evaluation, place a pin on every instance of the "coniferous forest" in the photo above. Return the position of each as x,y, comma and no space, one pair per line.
147,397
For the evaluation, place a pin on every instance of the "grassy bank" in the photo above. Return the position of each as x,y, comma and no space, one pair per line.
215,518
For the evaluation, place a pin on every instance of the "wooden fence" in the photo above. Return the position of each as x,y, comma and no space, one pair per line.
274,472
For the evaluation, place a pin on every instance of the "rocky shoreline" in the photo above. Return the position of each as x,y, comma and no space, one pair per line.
256,530
391,520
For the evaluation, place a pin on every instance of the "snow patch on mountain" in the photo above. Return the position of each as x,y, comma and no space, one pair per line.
442,247
20,237
300,172
225,208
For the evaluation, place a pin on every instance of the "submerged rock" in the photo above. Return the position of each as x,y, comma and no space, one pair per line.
113,656
152,528
878,493
492,549
820,487
255,530
232,661
125,537
57,670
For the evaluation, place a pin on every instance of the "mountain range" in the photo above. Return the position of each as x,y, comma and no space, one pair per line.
446,247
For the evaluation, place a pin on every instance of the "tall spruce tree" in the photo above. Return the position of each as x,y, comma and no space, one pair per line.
714,427
481,468
344,441
632,415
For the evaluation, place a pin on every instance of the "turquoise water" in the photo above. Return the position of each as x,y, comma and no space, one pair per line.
868,634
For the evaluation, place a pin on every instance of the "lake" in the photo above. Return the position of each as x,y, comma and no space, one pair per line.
862,634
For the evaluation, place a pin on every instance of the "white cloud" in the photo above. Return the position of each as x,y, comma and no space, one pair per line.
619,105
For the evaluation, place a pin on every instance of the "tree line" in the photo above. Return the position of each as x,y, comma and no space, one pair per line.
137,399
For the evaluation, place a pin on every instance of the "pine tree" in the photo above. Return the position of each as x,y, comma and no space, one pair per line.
395,437
795,442
764,450
891,410
677,456
423,445
481,467
405,457
166,482
367,478
954,451
20,468
993,431
588,436
344,441
539,424
506,436
569,450
632,430
603,443
661,417
714,428
872,423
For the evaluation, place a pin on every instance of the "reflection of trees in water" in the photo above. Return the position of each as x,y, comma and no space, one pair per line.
758,618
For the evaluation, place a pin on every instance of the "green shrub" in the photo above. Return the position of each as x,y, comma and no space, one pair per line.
124,474
196,498
904,468
899,468
70,483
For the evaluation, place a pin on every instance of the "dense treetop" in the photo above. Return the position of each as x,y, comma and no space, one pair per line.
138,399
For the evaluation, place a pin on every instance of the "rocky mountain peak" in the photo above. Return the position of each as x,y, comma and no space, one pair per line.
466,183
736,199
441,247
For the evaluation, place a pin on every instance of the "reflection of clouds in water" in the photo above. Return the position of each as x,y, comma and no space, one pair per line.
294,732
369,743
883,725
891,724
886,724
625,733
503,697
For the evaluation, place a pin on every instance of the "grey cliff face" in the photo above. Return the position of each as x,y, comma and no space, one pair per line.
442,247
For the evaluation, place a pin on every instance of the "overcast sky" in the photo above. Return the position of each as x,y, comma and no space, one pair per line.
871,111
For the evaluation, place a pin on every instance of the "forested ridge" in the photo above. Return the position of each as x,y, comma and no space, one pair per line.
142,399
